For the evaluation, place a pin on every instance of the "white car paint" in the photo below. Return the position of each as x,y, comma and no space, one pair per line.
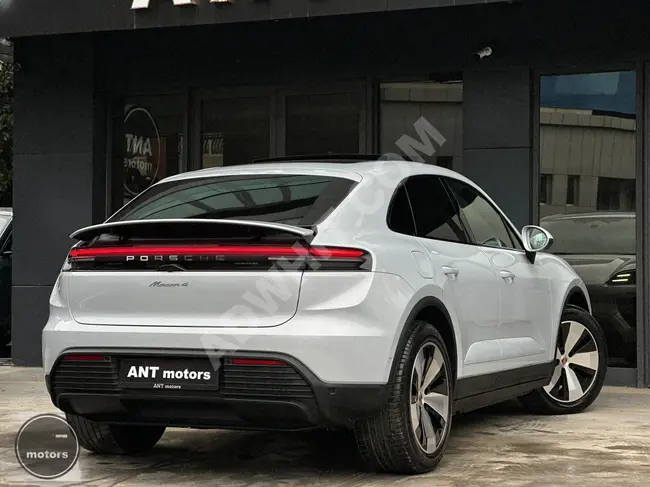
343,326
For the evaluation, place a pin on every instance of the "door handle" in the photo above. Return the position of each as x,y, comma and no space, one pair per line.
450,272
507,276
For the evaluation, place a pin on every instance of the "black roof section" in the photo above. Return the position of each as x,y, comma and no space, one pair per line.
339,158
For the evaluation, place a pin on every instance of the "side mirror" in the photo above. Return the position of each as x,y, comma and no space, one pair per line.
536,239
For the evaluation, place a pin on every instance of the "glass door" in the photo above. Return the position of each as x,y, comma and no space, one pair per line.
315,120
235,129
147,145
588,197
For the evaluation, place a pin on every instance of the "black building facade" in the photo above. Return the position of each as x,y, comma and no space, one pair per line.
542,103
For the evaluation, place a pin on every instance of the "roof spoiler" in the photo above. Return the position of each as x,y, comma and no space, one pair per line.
93,231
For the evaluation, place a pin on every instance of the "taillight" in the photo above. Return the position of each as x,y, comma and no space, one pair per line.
215,257
84,358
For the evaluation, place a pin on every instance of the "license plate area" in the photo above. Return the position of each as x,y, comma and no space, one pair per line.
173,374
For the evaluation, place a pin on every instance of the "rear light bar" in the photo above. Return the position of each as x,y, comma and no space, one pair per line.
218,257
224,250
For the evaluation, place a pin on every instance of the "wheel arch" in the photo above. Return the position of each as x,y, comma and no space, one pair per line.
577,297
432,310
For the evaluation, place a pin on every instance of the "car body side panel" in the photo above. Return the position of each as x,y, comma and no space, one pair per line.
525,311
562,279
472,297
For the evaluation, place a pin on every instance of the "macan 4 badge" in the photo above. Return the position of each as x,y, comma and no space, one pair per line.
152,372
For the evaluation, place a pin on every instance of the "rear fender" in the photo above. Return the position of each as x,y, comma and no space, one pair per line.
428,296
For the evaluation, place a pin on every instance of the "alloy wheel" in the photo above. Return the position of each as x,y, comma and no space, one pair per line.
429,399
577,360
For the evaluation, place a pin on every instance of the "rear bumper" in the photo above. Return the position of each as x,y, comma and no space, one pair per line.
288,398
344,330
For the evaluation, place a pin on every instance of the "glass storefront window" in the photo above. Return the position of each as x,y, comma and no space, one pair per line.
235,131
147,144
587,192
322,124
403,105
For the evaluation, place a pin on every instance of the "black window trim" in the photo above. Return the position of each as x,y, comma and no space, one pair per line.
452,200
400,185
509,227
450,194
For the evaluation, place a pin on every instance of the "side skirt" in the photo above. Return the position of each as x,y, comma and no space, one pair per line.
485,390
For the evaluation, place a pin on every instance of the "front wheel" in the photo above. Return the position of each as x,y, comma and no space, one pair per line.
410,434
114,438
580,367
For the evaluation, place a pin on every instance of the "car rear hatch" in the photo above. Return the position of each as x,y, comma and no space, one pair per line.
198,269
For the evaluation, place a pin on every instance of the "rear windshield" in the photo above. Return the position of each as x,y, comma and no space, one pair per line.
300,200
608,235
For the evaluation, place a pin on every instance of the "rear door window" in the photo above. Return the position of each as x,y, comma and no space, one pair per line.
298,199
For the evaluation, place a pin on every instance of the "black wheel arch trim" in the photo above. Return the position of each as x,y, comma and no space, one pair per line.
572,292
419,306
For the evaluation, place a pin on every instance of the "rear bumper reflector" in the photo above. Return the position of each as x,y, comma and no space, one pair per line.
84,358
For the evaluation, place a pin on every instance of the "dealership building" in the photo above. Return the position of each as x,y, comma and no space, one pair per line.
543,103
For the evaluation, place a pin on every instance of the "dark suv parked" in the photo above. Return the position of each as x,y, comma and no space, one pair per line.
601,247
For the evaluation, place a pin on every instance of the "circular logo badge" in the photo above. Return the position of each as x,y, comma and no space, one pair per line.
47,447
144,151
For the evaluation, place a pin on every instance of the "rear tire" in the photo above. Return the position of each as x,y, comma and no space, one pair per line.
114,438
410,434
580,367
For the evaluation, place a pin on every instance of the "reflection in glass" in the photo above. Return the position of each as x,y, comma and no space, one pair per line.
545,188
294,199
573,190
537,239
440,104
235,131
4,221
587,193
147,144
322,124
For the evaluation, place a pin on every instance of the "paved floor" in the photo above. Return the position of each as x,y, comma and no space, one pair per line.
608,445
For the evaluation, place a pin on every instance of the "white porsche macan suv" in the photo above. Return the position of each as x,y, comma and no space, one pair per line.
376,296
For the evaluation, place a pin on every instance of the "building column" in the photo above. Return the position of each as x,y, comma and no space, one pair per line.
53,174
497,138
